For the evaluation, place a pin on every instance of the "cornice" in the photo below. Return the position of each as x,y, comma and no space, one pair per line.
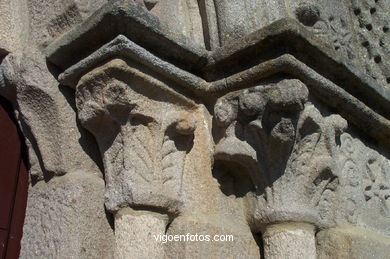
134,22
125,30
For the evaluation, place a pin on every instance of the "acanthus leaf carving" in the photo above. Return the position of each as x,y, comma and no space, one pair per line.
144,136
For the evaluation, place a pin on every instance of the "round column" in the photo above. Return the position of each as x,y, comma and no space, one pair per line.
289,241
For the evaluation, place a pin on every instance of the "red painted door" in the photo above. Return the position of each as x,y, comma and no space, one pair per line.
13,185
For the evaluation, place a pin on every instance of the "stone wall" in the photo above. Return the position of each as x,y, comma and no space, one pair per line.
265,120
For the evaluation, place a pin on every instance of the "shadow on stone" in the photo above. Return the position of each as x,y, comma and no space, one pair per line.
233,178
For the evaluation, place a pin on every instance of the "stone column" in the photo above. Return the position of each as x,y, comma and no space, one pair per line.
137,233
289,240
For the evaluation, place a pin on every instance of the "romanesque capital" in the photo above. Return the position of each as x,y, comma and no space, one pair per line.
144,131
285,145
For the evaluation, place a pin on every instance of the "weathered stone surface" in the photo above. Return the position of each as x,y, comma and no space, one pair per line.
88,7
13,25
264,45
45,21
212,117
144,141
238,18
272,132
289,240
357,112
136,232
241,244
357,30
329,21
142,27
289,36
350,242
181,15
122,47
46,118
66,219
296,138
171,176
364,196
371,25
51,18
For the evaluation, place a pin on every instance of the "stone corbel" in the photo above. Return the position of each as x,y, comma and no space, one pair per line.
282,142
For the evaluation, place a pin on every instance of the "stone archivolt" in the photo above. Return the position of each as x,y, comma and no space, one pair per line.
261,133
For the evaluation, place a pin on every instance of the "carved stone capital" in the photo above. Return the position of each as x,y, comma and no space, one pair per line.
144,132
284,145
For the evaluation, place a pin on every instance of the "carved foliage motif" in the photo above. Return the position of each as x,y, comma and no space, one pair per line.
143,139
364,177
376,183
372,28
285,143
337,31
331,26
